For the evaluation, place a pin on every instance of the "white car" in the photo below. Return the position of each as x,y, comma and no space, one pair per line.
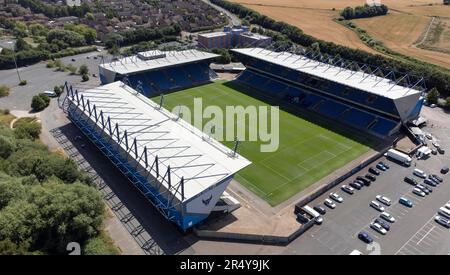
418,192
377,227
50,93
429,136
377,206
420,173
388,217
330,203
447,206
435,144
442,221
336,197
383,199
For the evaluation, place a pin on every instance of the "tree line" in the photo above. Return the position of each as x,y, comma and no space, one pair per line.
54,11
433,75
364,11
45,201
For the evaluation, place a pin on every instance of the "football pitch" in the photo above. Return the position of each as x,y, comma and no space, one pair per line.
307,152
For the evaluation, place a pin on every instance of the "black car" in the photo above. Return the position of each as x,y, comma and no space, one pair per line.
436,177
356,185
363,180
435,180
444,170
410,180
434,151
440,150
370,177
374,171
320,210
383,224
429,182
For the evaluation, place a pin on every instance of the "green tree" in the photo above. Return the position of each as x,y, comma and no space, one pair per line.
7,146
11,190
83,70
21,45
7,247
28,130
447,103
4,90
432,96
100,246
40,102
85,78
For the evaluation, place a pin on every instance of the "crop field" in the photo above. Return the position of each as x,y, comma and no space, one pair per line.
307,152
408,20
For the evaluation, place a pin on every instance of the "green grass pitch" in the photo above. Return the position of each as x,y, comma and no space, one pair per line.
307,152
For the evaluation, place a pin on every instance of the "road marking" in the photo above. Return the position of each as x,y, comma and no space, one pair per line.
426,223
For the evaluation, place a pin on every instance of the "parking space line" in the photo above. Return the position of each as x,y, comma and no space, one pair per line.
426,223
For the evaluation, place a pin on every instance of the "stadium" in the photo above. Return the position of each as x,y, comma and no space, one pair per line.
332,113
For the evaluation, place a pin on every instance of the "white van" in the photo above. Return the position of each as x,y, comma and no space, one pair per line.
50,93
444,212
317,217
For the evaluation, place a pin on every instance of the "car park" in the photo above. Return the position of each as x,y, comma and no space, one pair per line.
377,227
336,197
329,203
442,221
320,209
377,206
410,180
384,224
444,170
381,167
383,199
418,192
430,182
356,185
419,173
388,217
370,177
374,171
404,201
365,237
348,189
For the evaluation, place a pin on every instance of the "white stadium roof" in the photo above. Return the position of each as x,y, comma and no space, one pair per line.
203,162
359,80
133,64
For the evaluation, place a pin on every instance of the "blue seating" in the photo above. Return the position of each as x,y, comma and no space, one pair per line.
332,109
383,127
359,118
179,77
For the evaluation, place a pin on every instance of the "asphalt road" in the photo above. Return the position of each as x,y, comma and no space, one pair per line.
40,79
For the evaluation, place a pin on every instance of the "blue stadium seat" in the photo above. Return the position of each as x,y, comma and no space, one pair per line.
332,109
383,127
359,118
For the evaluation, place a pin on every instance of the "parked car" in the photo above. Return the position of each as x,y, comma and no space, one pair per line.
348,189
432,178
329,203
447,206
388,217
442,221
434,151
321,210
336,197
430,182
435,144
440,150
73,59
436,177
50,93
365,237
355,185
419,173
418,192
410,180
363,180
384,224
429,136
374,171
384,164
425,189
381,167
444,170
370,177
404,201
383,199
377,227
377,206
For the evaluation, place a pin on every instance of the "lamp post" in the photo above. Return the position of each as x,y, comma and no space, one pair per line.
15,62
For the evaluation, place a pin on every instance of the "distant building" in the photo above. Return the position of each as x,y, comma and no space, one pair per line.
72,3
232,37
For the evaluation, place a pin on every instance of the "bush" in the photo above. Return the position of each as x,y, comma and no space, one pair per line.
28,130
85,77
83,70
432,96
23,83
40,102
58,90
72,69
4,91
50,64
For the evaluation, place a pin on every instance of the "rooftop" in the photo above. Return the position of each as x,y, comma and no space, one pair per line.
358,80
134,64
202,161
214,34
